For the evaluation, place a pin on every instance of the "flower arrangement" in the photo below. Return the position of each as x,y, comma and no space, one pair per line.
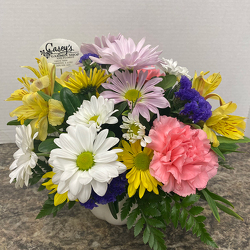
126,126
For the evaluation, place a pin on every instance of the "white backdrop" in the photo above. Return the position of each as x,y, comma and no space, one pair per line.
201,35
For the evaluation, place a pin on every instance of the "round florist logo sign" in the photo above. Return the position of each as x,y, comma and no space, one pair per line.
61,52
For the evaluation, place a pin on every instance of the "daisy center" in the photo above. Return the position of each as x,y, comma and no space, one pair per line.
132,95
94,118
134,129
85,161
142,161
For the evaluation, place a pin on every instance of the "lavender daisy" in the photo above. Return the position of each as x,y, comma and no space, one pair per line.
142,96
124,54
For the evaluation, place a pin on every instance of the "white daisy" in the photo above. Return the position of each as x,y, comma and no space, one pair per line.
25,158
170,67
84,161
135,130
97,111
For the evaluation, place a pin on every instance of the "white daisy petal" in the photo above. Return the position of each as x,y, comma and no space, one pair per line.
95,166
100,188
85,193
25,158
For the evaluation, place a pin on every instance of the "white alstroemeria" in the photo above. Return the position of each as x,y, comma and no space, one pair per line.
97,111
170,66
135,130
25,158
84,161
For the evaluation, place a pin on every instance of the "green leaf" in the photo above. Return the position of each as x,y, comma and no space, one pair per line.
190,223
227,148
146,235
190,200
219,198
121,107
14,122
132,217
47,145
183,218
212,204
43,95
56,96
165,209
196,210
27,122
168,81
41,188
139,226
57,87
126,207
71,204
44,165
156,223
151,240
175,214
111,134
70,101
228,211
223,139
218,152
113,209
151,211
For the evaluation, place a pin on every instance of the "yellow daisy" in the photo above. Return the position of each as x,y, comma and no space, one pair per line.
231,126
80,81
138,160
59,198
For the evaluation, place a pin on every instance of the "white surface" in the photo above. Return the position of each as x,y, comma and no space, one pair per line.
200,35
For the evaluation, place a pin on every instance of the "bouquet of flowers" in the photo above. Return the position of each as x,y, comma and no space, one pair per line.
126,126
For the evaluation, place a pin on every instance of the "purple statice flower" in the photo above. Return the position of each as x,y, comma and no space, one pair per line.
86,57
124,54
142,96
196,107
115,188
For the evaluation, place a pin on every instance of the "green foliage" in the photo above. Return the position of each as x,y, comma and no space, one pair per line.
70,101
121,107
49,208
43,95
168,81
211,204
114,209
14,122
218,152
57,87
228,210
227,148
47,145
223,139
38,171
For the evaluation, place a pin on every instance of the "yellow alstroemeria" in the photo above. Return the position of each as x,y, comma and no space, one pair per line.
59,198
221,122
45,76
20,93
81,80
41,112
206,86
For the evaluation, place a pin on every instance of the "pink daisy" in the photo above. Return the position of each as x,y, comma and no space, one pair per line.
142,96
124,54
100,43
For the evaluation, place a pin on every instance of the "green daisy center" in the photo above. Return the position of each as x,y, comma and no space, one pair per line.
142,161
135,129
132,95
94,118
85,161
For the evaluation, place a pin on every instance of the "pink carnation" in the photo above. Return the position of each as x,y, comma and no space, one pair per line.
182,158
151,73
